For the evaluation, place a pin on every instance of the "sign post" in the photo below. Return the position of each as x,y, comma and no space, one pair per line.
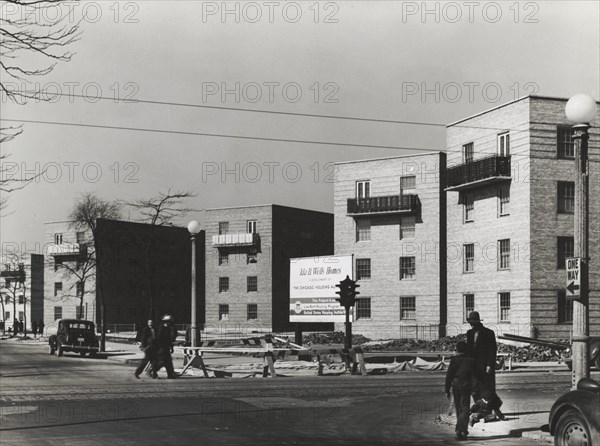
573,277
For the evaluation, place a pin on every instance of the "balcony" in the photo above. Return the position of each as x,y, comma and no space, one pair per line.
479,173
385,205
67,249
17,276
234,240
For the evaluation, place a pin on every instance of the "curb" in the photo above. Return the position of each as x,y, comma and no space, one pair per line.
538,435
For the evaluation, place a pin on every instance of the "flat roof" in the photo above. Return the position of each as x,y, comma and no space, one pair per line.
433,152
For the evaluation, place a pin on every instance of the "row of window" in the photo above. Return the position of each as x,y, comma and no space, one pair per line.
565,145
503,257
7,316
408,186
503,194
250,258
250,227
251,284
58,237
79,312
251,312
408,308
407,268
406,225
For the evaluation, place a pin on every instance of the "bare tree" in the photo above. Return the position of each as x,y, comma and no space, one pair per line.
161,210
84,215
39,30
81,268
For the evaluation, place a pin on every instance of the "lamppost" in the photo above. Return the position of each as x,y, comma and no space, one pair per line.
194,228
581,110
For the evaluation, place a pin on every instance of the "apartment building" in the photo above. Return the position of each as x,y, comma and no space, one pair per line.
21,289
247,264
510,208
390,214
142,271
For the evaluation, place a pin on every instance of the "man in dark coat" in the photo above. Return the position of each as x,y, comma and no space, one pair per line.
481,346
147,337
164,347
459,377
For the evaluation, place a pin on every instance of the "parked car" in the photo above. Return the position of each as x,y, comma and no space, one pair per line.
594,354
74,335
575,416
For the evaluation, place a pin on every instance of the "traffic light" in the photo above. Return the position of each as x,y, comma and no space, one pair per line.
347,292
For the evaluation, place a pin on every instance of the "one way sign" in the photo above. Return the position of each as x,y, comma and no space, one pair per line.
573,277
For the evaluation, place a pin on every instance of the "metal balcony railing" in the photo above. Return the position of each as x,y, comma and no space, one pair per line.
478,173
386,204
67,249
241,239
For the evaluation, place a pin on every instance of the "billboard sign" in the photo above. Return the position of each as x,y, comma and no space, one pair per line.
313,283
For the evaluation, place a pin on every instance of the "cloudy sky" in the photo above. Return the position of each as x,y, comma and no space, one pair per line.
178,64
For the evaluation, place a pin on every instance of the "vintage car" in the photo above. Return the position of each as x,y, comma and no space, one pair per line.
74,335
594,354
575,416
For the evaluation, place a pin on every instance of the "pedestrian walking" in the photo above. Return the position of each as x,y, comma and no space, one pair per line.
460,377
41,327
164,347
147,338
3,327
481,346
34,328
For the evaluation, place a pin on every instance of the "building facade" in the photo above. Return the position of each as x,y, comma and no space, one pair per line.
390,215
22,290
510,207
247,264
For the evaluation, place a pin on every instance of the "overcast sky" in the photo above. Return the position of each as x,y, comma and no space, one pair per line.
367,59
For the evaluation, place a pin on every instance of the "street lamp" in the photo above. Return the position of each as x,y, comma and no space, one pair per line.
194,228
581,110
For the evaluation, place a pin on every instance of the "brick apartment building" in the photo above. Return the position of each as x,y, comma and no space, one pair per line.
510,207
22,289
247,264
390,215
145,271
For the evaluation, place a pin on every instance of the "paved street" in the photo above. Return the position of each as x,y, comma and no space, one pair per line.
72,400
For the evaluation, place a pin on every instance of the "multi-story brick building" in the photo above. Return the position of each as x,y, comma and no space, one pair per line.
510,204
247,264
145,271
390,214
22,289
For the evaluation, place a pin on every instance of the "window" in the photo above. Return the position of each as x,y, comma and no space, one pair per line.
504,254
363,189
565,247
565,195
407,227
469,209
21,299
21,316
503,201
58,261
58,238
79,312
504,144
467,150
79,288
469,258
564,142
7,316
408,309
223,258
565,308
469,305
223,284
407,268
363,230
223,312
363,308
504,306
363,269
251,258
223,227
408,185
80,236
57,288
252,311
57,313
251,226
251,284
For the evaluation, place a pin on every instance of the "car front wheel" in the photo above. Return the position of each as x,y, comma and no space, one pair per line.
59,350
572,429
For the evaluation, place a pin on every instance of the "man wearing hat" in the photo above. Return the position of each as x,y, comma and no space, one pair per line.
481,346
164,347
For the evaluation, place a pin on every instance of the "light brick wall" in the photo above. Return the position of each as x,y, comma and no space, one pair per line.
385,247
